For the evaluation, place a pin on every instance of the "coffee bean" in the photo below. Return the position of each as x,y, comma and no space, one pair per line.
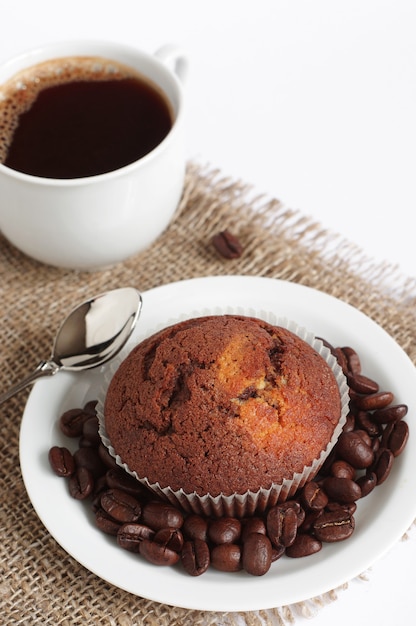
308,522
81,483
61,461
90,459
119,479
90,407
257,554
364,421
281,524
105,523
342,469
327,345
120,505
90,431
352,448
397,438
334,526
252,525
195,527
100,485
171,538
130,536
374,401
301,516
85,443
224,530
367,483
313,497
383,464
226,557
72,421
390,414
342,360
349,507
376,444
343,490
292,504
227,245
350,423
157,515
106,457
304,545
353,360
277,552
362,384
195,557
157,553
364,436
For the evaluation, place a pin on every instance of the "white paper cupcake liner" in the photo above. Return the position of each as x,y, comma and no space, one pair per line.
250,502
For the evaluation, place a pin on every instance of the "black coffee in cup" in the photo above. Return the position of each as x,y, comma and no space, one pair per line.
79,117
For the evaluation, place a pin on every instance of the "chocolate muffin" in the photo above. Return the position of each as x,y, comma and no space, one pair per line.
221,405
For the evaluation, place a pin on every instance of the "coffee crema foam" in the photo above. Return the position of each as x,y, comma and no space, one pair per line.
18,93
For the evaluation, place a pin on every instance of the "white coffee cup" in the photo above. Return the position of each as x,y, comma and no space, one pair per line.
97,221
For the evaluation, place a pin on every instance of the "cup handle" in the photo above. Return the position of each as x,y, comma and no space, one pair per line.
173,56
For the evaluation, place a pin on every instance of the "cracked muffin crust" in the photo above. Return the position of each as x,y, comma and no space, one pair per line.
221,405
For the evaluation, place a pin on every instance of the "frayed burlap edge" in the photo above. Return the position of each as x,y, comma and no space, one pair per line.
39,582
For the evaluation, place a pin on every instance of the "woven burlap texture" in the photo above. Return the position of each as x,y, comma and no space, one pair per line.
39,582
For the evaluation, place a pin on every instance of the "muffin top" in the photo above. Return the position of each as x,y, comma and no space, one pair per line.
221,404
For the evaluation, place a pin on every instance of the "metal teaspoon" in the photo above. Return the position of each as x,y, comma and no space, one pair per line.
93,333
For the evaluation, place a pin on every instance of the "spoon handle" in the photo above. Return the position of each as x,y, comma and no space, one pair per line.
45,368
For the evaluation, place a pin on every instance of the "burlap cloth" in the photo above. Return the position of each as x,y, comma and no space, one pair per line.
39,582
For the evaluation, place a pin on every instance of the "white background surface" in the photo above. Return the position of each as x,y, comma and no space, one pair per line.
311,102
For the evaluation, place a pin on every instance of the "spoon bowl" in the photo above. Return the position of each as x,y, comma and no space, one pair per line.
92,334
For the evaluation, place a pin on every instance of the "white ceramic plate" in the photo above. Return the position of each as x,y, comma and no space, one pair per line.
381,519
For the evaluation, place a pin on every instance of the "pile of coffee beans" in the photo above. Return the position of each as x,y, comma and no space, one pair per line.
320,512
